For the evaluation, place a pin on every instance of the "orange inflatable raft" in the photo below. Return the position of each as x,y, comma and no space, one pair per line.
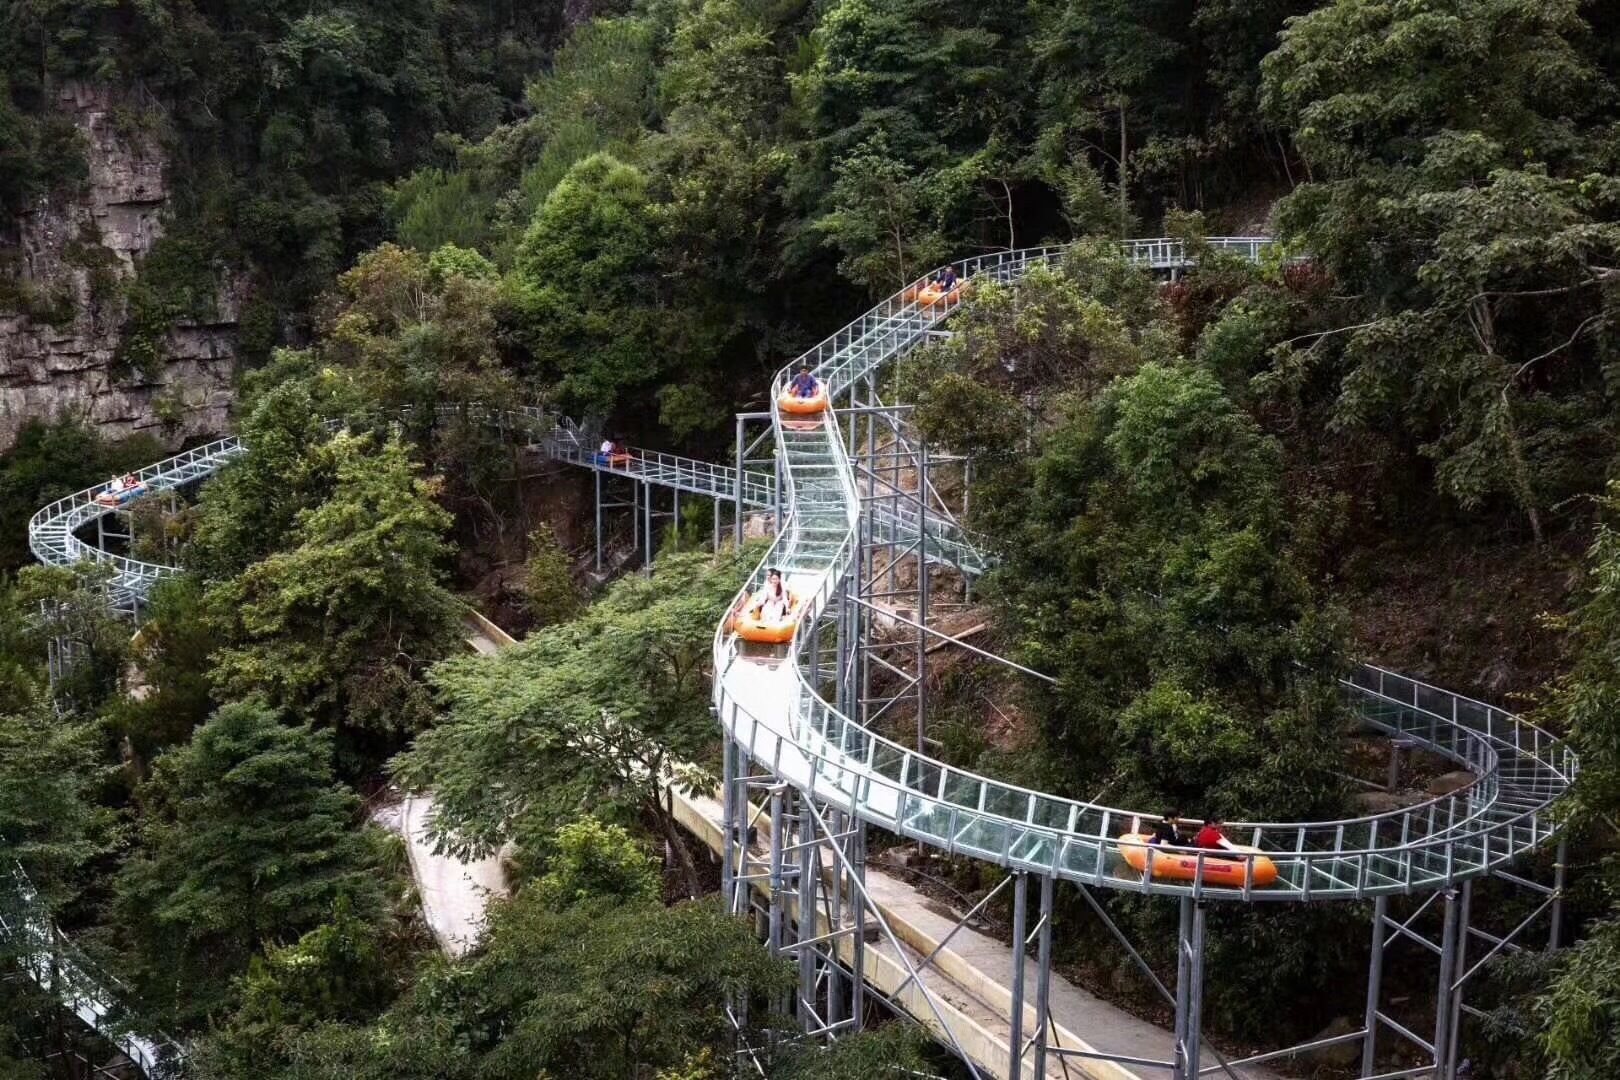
1221,867
795,405
930,294
749,624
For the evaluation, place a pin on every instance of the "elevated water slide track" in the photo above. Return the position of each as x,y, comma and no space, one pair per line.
782,722
786,725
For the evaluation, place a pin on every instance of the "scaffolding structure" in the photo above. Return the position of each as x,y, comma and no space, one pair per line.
866,520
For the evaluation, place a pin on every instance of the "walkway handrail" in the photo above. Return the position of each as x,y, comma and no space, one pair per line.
1440,840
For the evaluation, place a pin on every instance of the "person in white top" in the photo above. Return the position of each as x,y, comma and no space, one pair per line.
774,601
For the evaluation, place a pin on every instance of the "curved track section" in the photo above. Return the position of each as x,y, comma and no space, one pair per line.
785,724
52,531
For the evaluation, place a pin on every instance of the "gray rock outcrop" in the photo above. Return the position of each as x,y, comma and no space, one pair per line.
73,254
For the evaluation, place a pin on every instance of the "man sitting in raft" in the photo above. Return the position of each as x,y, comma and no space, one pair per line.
1164,830
773,601
947,279
1211,836
804,384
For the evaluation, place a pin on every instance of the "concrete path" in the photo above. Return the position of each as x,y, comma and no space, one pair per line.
454,894
970,979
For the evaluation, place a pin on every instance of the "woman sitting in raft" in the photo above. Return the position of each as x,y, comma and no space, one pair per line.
773,602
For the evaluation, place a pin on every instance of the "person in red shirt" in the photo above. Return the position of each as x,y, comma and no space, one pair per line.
1211,836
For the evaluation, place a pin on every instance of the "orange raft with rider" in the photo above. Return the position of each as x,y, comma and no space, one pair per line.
1228,867
794,405
750,623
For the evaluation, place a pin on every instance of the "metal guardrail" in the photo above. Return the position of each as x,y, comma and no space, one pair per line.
1519,768
51,530
62,970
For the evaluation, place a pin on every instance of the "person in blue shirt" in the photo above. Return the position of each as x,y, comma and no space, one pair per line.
804,384
947,279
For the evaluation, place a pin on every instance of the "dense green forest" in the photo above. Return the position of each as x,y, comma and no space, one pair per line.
1396,438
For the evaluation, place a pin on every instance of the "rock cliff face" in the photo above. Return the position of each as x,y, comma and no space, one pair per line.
71,255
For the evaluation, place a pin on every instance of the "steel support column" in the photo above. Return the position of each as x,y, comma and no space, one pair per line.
1448,968
1455,990
729,838
857,873
1015,1016
1195,998
776,490
647,525
805,926
835,919
773,937
737,525
922,594
1043,978
598,474
1375,978
1556,915
1179,1036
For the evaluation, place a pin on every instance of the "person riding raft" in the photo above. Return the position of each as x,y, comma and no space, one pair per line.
804,384
773,602
1212,836
947,280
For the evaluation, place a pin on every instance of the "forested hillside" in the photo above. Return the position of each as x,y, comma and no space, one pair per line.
1393,438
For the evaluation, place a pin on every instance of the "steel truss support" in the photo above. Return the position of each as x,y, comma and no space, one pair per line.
806,870
1456,933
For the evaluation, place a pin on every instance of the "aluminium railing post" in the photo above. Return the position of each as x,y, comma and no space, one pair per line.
737,524
598,474
1015,1039
1375,977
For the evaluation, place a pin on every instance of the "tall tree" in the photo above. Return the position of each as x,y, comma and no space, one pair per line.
596,714
587,288
1463,192
51,824
244,839
338,628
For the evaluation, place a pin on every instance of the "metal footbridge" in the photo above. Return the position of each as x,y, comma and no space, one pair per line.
801,737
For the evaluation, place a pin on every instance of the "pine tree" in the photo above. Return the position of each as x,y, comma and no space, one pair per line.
246,840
